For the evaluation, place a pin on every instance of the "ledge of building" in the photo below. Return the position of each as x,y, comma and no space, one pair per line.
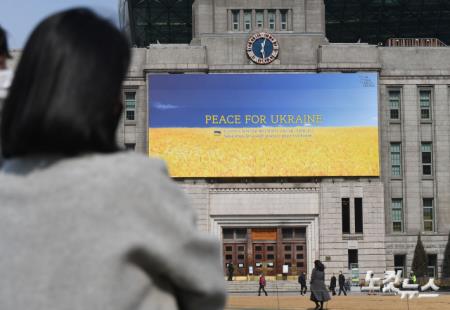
169,46
264,190
348,67
134,82
179,67
246,34
413,74
352,237
262,68
175,67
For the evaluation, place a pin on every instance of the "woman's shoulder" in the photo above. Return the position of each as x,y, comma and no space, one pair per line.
108,177
131,170
113,168
124,161
121,163
142,181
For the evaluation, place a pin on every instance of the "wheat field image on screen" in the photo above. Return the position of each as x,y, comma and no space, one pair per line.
207,152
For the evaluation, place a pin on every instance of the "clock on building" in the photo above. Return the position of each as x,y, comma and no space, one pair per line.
262,48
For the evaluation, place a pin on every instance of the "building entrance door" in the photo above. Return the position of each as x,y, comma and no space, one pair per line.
265,258
256,250
293,252
294,255
235,253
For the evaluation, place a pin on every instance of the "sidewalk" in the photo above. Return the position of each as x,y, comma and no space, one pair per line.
352,302
273,287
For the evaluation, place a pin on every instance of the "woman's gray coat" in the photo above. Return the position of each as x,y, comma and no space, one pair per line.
102,232
319,291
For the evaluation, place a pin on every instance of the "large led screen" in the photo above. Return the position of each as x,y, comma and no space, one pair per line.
265,125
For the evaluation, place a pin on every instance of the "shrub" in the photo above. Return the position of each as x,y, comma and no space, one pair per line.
419,263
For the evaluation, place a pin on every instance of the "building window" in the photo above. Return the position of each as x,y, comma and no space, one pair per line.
358,216
234,233
428,214
271,18
130,146
396,159
228,234
400,263
130,106
345,202
300,233
427,158
425,104
283,18
394,104
397,215
241,233
294,233
352,259
247,20
235,14
287,233
259,19
432,265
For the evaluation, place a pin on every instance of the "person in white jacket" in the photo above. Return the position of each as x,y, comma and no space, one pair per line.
6,74
84,225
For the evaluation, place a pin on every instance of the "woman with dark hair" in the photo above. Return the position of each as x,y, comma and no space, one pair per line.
319,292
82,224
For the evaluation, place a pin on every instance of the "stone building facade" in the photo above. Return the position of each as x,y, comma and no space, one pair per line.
412,194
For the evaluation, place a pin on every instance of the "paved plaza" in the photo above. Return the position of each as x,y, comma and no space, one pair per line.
338,303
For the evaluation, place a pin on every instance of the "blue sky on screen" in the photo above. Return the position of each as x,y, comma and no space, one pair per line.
19,17
183,100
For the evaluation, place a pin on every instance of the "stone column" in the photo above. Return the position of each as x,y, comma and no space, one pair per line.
250,261
280,258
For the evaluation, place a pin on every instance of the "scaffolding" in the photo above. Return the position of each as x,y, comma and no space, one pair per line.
375,21
347,21
156,21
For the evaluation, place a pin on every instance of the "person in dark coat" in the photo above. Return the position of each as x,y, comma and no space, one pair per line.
302,281
319,292
230,271
333,285
262,284
4,51
342,284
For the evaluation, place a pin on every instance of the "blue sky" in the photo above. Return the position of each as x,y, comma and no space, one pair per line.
19,17
183,100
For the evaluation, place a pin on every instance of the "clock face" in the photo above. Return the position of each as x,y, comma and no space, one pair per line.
262,48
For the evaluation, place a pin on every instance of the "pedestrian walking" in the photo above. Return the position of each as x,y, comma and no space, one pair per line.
4,51
302,281
6,74
230,271
262,284
319,292
412,278
333,285
342,284
371,285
